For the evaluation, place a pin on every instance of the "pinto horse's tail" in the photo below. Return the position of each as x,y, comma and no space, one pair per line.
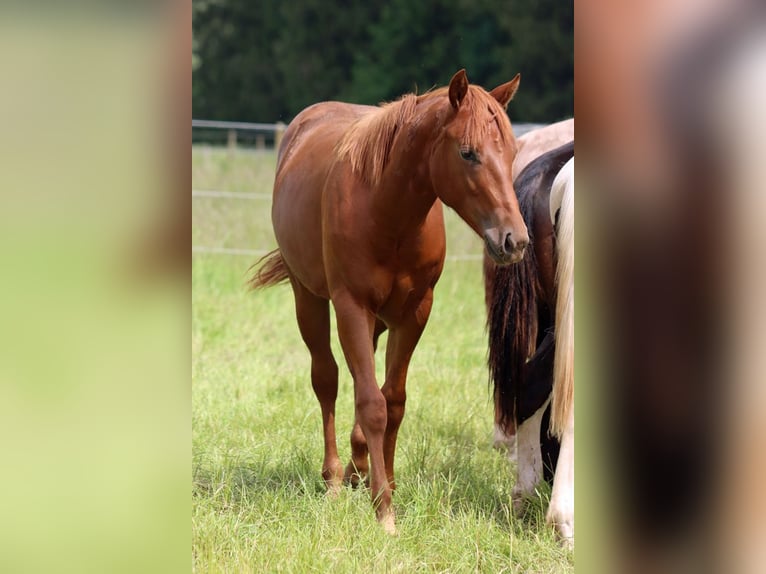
519,308
562,401
512,324
269,270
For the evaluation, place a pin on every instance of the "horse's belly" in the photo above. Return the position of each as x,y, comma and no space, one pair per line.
305,160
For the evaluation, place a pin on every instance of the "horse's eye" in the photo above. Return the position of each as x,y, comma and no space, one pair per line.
469,155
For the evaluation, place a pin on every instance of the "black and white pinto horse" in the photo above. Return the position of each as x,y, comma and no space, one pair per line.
531,338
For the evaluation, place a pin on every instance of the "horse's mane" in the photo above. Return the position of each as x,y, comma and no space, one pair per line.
368,142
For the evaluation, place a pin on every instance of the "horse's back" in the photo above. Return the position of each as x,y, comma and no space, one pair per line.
321,122
537,142
305,158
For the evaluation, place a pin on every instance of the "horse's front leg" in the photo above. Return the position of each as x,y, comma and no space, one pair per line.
358,468
355,331
401,343
561,508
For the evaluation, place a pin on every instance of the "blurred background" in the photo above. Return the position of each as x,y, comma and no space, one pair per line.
263,62
94,250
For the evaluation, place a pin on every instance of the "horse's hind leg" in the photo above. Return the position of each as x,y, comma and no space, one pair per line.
359,466
313,314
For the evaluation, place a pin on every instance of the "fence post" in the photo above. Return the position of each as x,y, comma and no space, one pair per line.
231,140
260,141
279,131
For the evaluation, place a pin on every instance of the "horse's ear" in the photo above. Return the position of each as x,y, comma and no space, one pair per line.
458,88
504,93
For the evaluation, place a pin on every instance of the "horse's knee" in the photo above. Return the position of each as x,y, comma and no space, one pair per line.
395,404
371,411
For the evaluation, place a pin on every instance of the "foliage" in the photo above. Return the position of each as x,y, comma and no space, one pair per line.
266,60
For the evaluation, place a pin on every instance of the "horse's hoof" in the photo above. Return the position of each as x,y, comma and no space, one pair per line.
333,490
564,527
353,480
389,524
518,503
354,477
333,480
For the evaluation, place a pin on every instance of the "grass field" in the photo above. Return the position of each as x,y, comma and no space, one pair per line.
258,502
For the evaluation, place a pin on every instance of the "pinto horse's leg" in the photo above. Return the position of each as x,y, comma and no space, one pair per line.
313,314
401,344
504,436
529,465
561,509
358,468
356,326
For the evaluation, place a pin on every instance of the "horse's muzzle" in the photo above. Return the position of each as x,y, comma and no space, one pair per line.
504,246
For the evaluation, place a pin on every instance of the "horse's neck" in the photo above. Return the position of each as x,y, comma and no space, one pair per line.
406,194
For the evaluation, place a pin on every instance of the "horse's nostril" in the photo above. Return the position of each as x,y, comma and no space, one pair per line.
508,244
511,246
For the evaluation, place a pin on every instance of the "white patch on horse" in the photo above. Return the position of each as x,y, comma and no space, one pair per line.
561,509
529,468
502,440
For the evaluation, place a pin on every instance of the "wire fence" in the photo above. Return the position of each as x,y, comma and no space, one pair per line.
202,249
237,134
230,194
267,136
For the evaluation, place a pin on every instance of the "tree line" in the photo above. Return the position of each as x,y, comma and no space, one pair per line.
265,60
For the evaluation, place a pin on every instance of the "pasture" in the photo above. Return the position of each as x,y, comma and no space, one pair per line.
258,502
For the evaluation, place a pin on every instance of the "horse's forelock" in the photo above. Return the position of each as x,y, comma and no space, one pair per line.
483,111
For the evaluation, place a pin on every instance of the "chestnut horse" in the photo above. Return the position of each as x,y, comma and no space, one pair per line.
357,214
531,330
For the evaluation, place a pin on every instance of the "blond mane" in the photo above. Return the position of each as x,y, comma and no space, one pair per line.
368,142
562,400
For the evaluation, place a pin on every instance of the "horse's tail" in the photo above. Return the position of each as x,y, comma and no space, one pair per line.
512,324
562,400
269,270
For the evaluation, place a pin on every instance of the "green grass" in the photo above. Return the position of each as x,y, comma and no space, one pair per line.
258,502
